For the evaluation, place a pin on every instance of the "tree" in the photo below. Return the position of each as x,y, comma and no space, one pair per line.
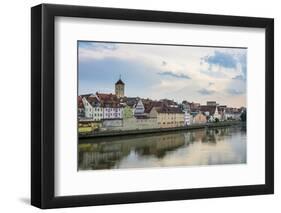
243,116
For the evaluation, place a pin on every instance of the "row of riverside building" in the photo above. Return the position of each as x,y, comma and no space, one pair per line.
118,112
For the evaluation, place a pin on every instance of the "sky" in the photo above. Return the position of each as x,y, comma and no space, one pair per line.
192,73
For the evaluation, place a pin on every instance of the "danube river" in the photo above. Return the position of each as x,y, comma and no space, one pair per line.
214,146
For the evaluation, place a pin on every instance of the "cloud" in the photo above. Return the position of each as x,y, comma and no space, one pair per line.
227,64
221,59
205,91
215,73
242,59
175,75
239,77
161,71
235,91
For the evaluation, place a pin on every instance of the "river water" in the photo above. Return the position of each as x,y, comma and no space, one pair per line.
214,146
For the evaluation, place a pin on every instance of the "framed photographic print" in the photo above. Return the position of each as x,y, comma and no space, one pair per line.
139,106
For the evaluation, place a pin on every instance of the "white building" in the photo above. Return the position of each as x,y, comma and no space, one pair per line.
111,107
111,112
93,109
211,112
233,113
139,108
187,118
216,114
102,106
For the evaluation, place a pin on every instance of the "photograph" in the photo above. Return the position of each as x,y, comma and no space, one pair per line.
140,105
160,105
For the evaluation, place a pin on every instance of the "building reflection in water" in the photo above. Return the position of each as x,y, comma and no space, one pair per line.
182,148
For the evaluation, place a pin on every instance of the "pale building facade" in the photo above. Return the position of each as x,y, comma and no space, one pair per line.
111,107
187,118
102,106
233,114
133,123
199,118
211,112
112,112
217,115
92,109
168,117
139,108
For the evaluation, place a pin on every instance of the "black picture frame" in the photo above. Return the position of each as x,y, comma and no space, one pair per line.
43,105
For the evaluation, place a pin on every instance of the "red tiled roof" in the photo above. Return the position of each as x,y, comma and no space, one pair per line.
80,102
221,109
208,108
106,96
194,106
130,101
168,102
108,100
93,100
167,109
148,105
86,95
233,110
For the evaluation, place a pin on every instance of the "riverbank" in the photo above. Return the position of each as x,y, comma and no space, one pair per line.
159,130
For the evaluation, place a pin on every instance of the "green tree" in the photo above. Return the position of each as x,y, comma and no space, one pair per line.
127,112
243,116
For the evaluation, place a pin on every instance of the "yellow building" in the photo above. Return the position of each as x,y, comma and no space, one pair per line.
168,117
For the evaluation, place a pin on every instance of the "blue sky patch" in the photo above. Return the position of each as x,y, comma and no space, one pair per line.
221,59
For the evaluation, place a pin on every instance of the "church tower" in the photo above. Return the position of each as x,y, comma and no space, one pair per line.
119,88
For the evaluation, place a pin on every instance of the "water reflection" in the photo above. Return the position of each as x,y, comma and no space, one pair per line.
196,147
